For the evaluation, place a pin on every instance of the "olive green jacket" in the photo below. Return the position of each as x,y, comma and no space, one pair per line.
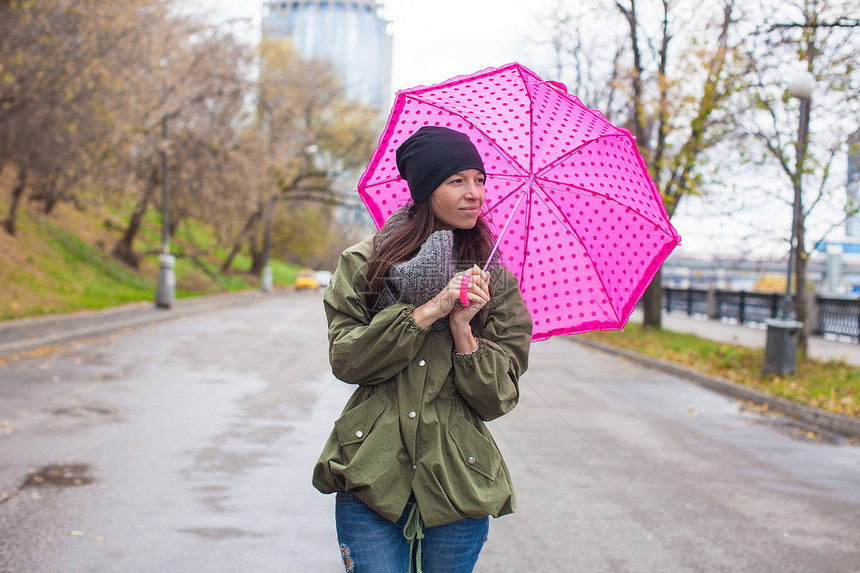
415,423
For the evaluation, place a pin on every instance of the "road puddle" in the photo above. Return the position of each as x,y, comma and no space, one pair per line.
59,475
83,411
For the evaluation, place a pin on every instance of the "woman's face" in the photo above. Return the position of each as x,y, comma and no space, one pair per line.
457,202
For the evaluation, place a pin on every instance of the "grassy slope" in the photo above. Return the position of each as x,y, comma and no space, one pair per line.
61,263
832,385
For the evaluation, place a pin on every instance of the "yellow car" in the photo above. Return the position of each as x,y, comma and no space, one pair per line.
306,279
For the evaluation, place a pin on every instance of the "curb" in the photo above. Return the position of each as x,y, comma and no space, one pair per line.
117,322
837,423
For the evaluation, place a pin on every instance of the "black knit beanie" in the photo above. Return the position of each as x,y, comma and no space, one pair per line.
431,155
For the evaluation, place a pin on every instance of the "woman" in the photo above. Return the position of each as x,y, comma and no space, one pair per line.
415,470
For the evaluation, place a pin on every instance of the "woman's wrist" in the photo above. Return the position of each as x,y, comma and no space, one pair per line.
466,353
430,312
464,341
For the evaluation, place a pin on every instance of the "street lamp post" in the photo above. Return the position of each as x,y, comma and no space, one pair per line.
782,334
165,292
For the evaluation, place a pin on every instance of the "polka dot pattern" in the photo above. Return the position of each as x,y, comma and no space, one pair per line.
578,220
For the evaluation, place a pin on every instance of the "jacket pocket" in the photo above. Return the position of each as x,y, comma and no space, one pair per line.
355,426
478,453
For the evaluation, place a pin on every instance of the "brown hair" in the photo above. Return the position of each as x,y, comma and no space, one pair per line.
471,246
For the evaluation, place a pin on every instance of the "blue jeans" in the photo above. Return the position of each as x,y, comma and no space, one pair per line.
369,543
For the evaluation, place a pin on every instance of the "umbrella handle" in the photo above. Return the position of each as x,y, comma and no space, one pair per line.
464,289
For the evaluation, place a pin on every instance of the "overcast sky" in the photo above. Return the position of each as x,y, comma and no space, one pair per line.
434,40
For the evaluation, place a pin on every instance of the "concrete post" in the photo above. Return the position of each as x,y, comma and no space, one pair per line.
713,304
266,280
811,326
165,294
834,270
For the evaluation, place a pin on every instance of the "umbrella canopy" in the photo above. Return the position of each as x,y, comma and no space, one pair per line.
577,218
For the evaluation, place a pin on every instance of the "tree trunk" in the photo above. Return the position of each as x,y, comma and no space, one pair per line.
228,262
262,258
124,250
237,246
50,197
17,192
652,302
257,259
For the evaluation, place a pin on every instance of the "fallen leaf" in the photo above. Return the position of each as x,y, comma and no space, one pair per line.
692,412
76,532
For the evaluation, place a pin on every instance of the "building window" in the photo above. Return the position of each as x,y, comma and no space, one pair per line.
323,5
338,6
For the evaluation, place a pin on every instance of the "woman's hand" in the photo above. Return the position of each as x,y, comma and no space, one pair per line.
447,302
478,293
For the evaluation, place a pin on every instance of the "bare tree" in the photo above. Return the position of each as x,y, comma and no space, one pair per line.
55,57
667,76
802,139
192,80
312,139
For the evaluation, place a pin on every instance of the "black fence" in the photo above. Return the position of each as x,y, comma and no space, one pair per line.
835,316
691,301
839,316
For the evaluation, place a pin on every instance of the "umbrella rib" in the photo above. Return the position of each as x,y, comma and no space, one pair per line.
528,88
558,213
504,198
495,144
560,158
532,175
570,187
462,79
503,231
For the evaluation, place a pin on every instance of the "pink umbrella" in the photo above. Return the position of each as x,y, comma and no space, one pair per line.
577,218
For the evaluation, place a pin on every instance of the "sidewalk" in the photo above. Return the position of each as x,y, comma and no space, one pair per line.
753,337
30,333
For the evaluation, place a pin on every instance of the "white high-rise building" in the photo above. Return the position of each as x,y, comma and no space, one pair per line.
348,33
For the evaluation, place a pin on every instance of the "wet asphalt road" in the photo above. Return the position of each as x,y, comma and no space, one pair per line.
187,445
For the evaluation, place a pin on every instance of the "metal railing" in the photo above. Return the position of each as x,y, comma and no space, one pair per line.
751,306
838,316
692,301
834,316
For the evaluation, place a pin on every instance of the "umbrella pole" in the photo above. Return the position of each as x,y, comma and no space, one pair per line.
504,230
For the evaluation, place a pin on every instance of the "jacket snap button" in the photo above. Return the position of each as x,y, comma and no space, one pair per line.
359,433
471,460
421,363
412,414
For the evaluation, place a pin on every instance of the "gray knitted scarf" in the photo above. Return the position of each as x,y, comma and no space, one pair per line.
421,278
